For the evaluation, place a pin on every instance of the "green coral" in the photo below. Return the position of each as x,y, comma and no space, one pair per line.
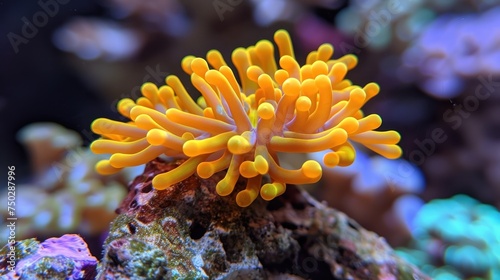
22,249
456,238
129,245
58,267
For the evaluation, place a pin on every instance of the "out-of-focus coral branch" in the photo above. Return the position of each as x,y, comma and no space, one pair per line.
65,194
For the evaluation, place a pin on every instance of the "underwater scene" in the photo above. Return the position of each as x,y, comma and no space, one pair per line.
250,139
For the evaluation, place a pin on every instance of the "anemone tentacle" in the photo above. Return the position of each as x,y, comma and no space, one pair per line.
244,118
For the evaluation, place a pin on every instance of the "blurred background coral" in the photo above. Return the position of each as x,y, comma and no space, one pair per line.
65,63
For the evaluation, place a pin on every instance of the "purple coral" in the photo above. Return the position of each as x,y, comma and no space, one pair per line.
65,257
455,47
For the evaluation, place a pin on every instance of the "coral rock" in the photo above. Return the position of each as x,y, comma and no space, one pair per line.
189,232
65,257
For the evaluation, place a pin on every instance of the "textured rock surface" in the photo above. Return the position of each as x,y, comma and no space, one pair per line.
65,257
189,232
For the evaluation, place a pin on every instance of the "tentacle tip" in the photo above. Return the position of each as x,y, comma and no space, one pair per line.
148,86
223,188
191,148
156,137
205,170
160,184
312,169
268,192
394,153
238,145
104,167
94,147
266,111
261,165
244,198
331,159
96,125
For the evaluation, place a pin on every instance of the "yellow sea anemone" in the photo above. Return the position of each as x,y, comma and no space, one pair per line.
242,124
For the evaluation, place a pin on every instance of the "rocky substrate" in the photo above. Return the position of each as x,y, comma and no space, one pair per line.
189,232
